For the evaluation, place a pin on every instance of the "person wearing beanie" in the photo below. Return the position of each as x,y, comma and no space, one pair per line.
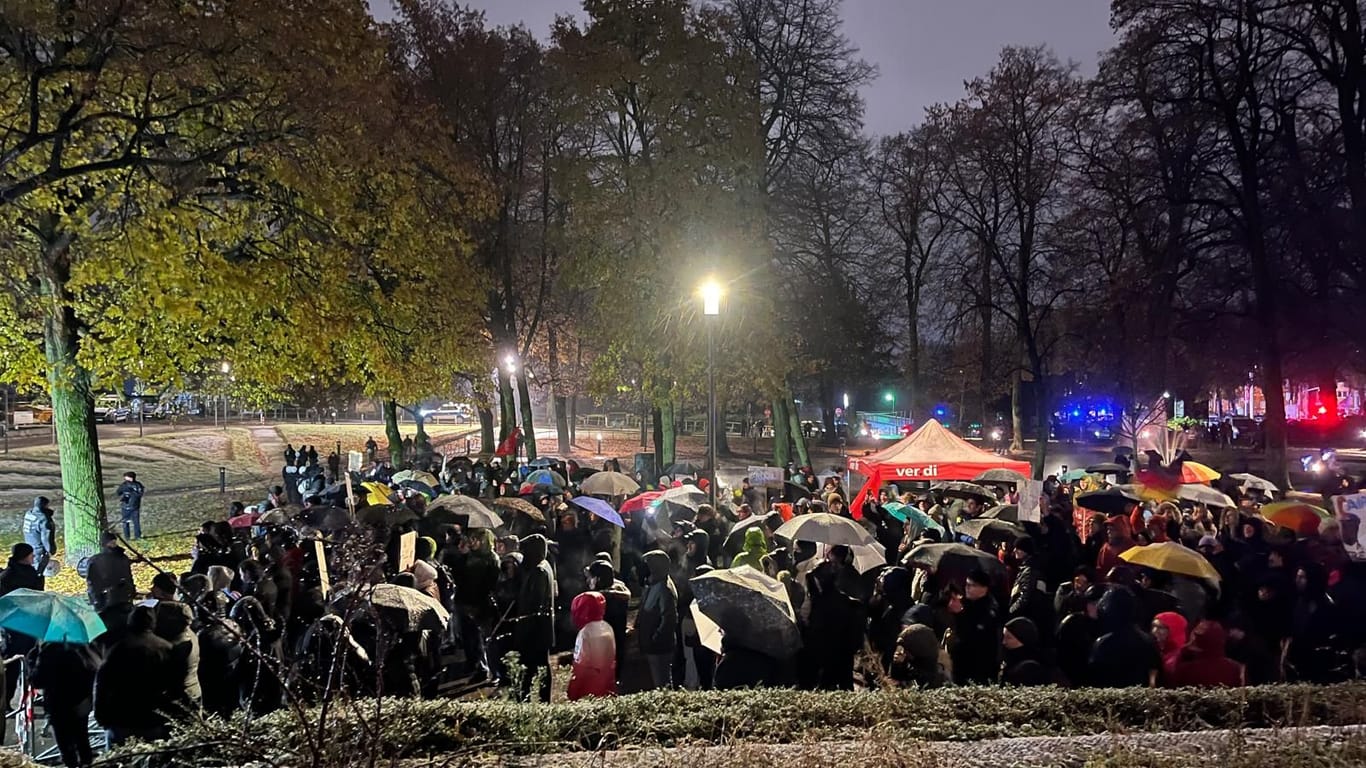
976,647
1020,662
915,663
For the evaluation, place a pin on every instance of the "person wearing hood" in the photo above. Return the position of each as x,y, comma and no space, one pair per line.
476,577
755,551
915,662
1077,632
132,685
595,649
1021,660
109,574
1169,631
173,621
1029,594
657,619
888,613
1203,661
533,630
976,647
603,579
65,673
1311,654
1122,656
40,533
1119,540
832,634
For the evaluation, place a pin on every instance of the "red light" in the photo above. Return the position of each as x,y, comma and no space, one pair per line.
1322,410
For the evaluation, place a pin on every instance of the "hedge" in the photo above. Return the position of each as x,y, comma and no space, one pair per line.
403,729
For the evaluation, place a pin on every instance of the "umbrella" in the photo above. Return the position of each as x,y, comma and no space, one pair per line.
1195,472
242,521
795,491
1295,515
416,475
1252,482
736,538
682,469
420,487
1111,501
50,617
609,484
1171,557
990,530
476,515
600,508
541,462
1001,477
1010,513
825,528
1108,468
641,502
907,513
583,473
379,493
382,514
708,634
519,505
750,608
1123,450
960,490
546,477
1203,494
1073,475
954,560
274,517
683,500
409,609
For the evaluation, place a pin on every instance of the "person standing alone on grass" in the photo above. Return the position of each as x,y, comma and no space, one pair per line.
40,534
130,493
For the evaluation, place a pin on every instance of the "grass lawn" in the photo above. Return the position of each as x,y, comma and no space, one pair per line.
180,471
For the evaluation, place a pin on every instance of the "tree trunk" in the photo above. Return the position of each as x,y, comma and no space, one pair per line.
528,423
557,391
73,418
782,440
562,424
1017,413
1328,393
668,447
486,442
573,419
391,432
794,418
1042,414
657,430
722,443
984,314
507,406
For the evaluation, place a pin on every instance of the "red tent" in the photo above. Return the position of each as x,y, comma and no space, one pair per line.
930,453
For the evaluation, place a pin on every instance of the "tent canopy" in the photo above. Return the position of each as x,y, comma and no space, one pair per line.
930,453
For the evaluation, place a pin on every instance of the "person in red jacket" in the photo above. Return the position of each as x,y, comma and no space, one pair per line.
595,649
1169,630
1120,539
1203,661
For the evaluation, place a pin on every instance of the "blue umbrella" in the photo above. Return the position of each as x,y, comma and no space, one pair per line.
600,508
909,514
545,477
542,462
50,617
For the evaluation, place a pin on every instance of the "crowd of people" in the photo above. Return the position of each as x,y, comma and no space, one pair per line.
314,600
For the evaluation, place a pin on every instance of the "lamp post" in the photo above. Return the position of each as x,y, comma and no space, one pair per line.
227,371
711,307
890,397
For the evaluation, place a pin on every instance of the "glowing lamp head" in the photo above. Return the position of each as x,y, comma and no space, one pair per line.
711,292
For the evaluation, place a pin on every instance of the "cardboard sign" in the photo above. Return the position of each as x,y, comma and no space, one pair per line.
407,551
350,496
1030,496
323,578
1351,511
354,461
766,477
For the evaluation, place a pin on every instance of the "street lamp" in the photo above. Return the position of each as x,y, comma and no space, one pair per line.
890,397
510,363
711,307
599,444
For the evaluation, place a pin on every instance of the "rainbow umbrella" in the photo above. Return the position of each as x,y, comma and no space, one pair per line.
1195,472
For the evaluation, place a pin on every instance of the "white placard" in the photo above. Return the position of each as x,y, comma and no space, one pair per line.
354,461
766,477
1030,497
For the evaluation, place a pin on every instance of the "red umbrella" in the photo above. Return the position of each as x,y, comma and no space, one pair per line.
639,503
242,521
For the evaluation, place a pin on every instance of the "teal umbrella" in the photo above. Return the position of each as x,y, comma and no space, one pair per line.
1073,475
909,514
50,617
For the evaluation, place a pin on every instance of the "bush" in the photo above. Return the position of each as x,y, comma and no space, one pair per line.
400,729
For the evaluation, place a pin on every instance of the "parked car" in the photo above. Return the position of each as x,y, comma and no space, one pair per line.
111,409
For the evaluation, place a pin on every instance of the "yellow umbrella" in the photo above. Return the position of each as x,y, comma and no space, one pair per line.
1195,472
1172,558
379,493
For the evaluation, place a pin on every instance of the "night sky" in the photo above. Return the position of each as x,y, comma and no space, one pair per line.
924,49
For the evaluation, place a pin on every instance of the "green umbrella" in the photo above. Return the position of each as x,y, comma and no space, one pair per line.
50,617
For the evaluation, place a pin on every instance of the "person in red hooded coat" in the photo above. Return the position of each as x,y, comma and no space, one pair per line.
595,649
1120,539
1203,661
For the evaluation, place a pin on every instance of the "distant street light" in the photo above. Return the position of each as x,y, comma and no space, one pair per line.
711,307
890,397
510,363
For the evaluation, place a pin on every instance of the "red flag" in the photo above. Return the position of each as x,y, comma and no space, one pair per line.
509,446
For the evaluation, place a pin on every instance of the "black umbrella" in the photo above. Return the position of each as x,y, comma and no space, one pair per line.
381,514
1107,468
420,487
990,531
406,609
1007,512
960,490
953,561
582,473
326,518
682,469
795,491
1111,501
736,538
750,608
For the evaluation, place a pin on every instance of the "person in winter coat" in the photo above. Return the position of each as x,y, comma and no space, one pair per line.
109,575
533,629
888,613
20,572
1021,662
1169,631
915,663
833,633
1122,656
65,673
132,685
1119,540
173,621
601,578
219,653
259,687
976,647
1203,661
1077,633
40,533
741,667
476,575
657,619
1029,595
595,649
755,551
